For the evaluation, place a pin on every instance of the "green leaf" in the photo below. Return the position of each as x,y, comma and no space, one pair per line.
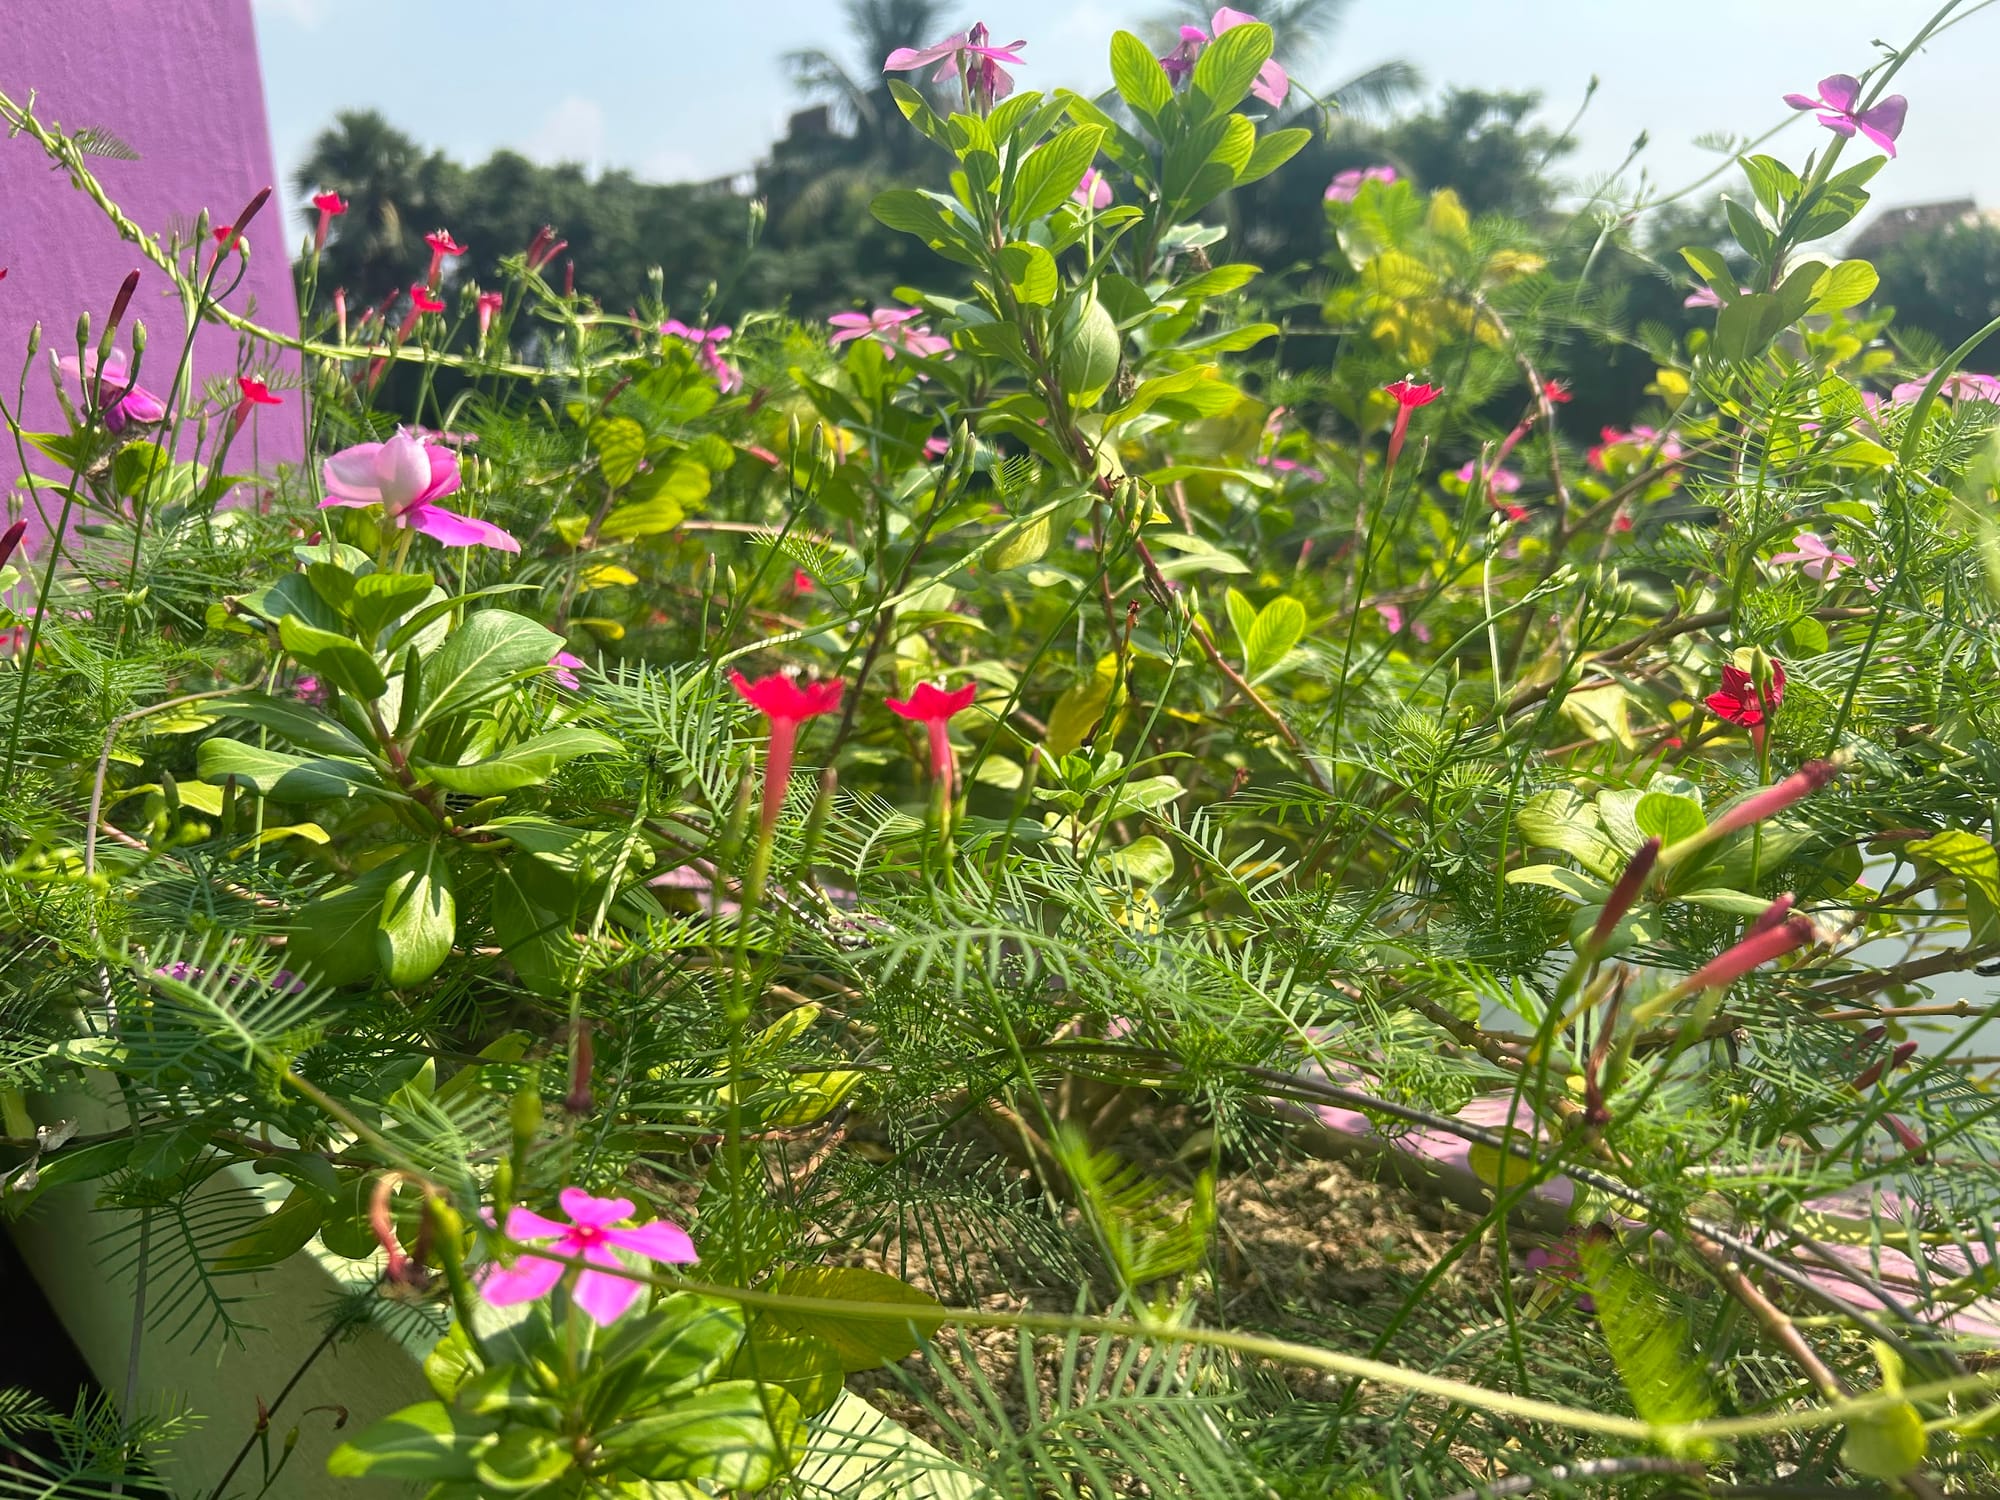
1771,180
1848,284
802,1365
1977,865
1147,859
1648,1337
1713,269
379,598
1717,898
419,919
282,777
902,1314
1031,273
519,1460
280,1235
736,1434
480,659
529,763
1218,281
1668,818
1140,80
1278,627
305,727
334,657
1572,883
1079,708
333,935
1050,173
659,501
1273,149
620,445
1091,349
1229,65
419,1442
1563,820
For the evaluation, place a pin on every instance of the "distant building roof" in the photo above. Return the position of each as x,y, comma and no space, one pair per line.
1893,225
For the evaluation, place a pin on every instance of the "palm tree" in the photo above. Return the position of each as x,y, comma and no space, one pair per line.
873,125
395,191
1300,29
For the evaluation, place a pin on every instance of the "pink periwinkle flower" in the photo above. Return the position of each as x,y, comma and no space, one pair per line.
404,476
1660,448
1291,468
1960,385
1094,191
1272,83
891,327
972,52
936,447
1498,481
1346,186
111,382
1814,557
1838,95
564,666
707,348
593,1234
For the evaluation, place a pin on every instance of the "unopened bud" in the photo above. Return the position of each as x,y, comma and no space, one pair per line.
1624,893
578,1101
10,539
122,301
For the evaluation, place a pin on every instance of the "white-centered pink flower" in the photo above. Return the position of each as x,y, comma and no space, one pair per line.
708,349
972,52
404,476
1346,185
1960,385
893,328
1272,84
595,1233
1815,558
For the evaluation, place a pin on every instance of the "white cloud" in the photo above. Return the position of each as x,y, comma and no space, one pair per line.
575,130
305,14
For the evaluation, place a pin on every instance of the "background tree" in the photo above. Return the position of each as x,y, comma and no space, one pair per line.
1946,282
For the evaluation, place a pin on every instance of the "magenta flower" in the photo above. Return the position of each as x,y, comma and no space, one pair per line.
592,1234
1836,101
1392,617
1290,467
1272,84
891,327
933,707
707,342
1346,186
1498,481
1094,191
489,303
111,383
331,206
785,705
563,667
1960,385
972,52
1814,557
442,245
403,476
1703,296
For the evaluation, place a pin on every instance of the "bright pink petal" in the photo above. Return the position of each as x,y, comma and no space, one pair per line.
402,471
528,1278
1841,91
1838,124
1272,85
455,530
905,58
584,1209
350,475
444,476
526,1224
1802,101
661,1240
604,1299
1885,141
1226,18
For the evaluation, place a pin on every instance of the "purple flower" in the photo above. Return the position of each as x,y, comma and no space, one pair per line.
1346,186
1838,96
1959,385
403,476
109,382
970,50
591,1235
1094,191
1272,84
1814,557
1703,296
890,327
707,348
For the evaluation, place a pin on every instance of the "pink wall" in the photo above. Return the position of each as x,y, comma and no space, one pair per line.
178,82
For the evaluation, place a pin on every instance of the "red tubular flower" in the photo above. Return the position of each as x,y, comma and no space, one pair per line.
442,245
489,304
1625,892
255,393
786,704
421,302
1555,391
933,707
340,311
331,206
1739,700
11,539
1753,952
1409,396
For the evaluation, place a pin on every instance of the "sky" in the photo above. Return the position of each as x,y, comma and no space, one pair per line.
680,90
